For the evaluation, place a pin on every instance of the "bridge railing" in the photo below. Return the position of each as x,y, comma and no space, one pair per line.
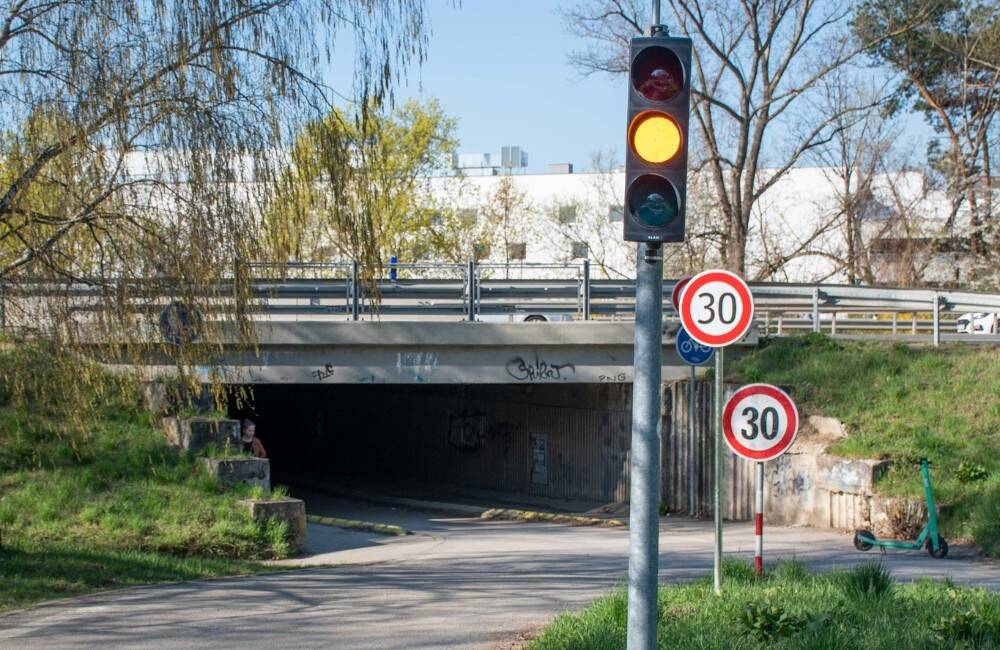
472,291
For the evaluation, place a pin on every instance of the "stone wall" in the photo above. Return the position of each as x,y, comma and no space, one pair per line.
809,487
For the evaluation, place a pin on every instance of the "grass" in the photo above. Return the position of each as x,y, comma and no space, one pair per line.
93,497
904,403
791,608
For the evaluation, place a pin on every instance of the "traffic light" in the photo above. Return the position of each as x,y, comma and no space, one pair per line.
656,158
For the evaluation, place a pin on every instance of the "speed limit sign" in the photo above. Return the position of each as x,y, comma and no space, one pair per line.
759,422
716,308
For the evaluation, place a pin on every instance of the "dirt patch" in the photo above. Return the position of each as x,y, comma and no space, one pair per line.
518,640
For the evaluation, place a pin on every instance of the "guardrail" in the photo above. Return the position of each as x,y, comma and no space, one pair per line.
472,291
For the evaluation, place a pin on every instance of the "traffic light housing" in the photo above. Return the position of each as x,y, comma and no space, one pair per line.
659,95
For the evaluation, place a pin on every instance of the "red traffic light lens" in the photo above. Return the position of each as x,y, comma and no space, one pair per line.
653,200
657,73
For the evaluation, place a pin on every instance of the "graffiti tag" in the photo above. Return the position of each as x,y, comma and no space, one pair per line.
538,370
325,372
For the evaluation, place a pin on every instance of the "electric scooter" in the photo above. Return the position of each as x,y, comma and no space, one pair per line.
929,537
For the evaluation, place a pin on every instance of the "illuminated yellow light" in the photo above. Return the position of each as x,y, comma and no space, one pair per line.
655,137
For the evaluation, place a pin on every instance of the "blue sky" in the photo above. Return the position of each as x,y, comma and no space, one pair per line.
500,67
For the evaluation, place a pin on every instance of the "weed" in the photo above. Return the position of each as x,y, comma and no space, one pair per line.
766,621
968,472
868,581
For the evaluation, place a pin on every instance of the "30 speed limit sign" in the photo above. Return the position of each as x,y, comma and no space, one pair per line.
759,422
716,308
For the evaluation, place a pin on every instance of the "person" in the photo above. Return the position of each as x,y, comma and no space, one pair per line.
250,442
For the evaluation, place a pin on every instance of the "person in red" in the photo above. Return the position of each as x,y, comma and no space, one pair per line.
250,442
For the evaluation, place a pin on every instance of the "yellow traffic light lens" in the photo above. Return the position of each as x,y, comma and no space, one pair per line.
655,137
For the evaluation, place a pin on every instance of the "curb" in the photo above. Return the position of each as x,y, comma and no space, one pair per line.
532,515
355,524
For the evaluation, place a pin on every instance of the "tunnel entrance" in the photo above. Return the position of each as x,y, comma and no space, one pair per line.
529,443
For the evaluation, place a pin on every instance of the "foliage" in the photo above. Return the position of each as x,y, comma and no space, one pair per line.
903,403
90,476
968,471
789,609
766,621
356,186
868,580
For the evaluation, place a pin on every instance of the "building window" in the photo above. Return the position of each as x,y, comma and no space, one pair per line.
481,250
517,251
467,216
567,213
580,249
616,213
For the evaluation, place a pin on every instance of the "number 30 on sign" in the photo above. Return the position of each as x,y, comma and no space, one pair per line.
759,422
716,308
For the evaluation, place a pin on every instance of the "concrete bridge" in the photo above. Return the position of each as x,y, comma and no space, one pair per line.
419,352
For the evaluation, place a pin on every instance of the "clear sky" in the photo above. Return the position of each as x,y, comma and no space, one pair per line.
500,67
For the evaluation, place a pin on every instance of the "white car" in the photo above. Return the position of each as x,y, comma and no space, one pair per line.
978,323
526,317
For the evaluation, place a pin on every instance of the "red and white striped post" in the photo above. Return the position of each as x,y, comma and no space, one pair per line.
758,523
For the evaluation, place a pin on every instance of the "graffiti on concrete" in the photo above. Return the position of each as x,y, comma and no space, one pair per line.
325,372
467,431
370,379
620,377
539,370
418,363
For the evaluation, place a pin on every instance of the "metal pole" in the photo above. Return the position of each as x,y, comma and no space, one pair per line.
586,289
719,465
472,289
758,523
937,320
644,532
355,292
656,17
692,465
815,310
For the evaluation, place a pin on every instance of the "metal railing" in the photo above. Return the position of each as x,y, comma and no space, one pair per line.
472,290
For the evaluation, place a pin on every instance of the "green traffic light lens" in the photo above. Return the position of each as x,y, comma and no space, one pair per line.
653,201
657,73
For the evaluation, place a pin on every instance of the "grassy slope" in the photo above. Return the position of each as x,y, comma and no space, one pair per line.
904,403
837,610
92,497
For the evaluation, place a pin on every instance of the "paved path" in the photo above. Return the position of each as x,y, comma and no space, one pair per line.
461,583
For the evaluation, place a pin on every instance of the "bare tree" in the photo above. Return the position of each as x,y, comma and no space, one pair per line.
755,65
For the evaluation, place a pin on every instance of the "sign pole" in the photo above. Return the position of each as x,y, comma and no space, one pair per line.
692,465
717,567
758,523
644,531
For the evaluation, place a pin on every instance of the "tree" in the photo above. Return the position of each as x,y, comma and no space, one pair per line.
171,116
504,211
755,67
948,63
356,187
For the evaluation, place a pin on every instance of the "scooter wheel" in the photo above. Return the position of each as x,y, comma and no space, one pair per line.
942,548
860,542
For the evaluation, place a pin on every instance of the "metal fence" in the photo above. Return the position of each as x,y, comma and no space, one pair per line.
471,291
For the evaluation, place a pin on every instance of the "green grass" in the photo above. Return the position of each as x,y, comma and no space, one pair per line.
93,497
904,403
792,608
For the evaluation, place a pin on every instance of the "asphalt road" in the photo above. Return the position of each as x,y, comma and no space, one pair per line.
461,583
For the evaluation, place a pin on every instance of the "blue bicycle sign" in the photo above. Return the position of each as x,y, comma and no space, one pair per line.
690,351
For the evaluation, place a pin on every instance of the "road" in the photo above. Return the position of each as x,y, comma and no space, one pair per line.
460,583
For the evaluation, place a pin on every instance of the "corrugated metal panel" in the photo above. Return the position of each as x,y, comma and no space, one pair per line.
678,453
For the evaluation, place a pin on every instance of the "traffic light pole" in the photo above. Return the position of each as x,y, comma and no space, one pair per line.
644,531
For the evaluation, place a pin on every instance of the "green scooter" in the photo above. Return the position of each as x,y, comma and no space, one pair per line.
929,537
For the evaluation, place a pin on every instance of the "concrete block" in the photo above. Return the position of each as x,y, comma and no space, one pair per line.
197,433
854,476
287,509
233,471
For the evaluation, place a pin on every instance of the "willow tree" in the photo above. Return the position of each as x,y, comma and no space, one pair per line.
139,139
357,187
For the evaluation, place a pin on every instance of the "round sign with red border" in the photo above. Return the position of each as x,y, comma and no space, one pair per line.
759,422
675,295
716,308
